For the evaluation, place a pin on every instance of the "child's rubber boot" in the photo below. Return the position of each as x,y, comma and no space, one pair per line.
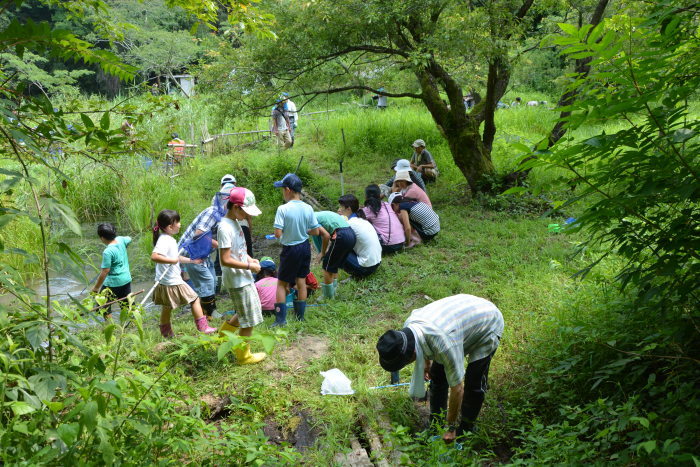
280,315
327,291
300,309
166,330
228,327
335,286
244,357
203,325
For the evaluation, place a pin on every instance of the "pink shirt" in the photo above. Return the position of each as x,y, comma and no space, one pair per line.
414,191
387,224
267,288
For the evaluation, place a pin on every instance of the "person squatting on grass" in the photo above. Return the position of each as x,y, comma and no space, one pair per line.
266,284
171,291
404,185
384,220
199,241
115,275
402,165
334,242
423,162
438,337
367,252
419,221
238,269
294,222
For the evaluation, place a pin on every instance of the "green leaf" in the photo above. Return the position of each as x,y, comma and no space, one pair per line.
108,332
37,334
569,29
648,446
68,432
682,135
104,121
45,384
514,190
224,349
110,387
88,416
87,121
268,342
65,212
21,408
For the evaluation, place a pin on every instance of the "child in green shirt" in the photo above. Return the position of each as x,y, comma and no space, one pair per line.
115,274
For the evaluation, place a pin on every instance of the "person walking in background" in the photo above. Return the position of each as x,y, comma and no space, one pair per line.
238,269
177,148
380,98
115,275
423,162
294,222
290,110
171,291
438,337
384,220
279,123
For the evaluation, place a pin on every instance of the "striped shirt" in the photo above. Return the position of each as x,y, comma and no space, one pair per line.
422,217
450,329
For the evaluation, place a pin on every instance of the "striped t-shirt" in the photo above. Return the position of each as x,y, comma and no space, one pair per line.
454,327
422,217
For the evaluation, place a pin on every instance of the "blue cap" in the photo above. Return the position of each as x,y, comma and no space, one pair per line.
291,181
285,94
268,264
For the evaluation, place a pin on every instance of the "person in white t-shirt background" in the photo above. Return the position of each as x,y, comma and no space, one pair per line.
172,291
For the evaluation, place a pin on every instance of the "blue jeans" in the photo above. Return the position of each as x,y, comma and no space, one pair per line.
352,266
203,277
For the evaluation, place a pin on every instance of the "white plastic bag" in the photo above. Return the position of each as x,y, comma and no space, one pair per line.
335,382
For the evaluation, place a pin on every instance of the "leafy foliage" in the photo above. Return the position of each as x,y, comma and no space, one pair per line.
643,182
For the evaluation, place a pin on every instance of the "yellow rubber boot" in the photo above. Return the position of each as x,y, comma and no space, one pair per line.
228,327
244,356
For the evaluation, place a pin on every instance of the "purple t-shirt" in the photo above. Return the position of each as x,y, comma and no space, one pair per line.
267,289
387,224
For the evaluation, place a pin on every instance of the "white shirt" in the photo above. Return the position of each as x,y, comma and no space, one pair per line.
231,236
167,246
367,246
291,111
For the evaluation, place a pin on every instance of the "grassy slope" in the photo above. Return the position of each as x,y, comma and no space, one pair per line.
509,259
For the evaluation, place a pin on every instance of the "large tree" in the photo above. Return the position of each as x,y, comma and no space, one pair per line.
434,43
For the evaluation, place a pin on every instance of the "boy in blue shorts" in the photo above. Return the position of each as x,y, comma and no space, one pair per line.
114,274
294,222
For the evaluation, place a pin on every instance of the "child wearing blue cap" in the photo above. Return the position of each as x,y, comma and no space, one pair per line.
266,284
294,222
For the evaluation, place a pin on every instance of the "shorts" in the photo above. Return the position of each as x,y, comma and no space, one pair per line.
246,302
352,267
342,243
295,262
116,293
203,277
174,296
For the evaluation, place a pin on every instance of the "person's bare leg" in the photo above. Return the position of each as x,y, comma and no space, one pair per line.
165,314
282,291
245,332
301,288
234,321
327,277
196,309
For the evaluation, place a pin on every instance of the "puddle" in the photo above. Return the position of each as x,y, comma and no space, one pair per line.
298,431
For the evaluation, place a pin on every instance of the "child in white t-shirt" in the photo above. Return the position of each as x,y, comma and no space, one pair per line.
238,269
171,291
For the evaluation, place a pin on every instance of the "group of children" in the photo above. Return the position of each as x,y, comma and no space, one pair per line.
352,239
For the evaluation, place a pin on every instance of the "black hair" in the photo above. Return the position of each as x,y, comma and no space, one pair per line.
398,199
165,218
265,272
373,197
107,231
349,201
229,204
393,164
174,136
361,214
